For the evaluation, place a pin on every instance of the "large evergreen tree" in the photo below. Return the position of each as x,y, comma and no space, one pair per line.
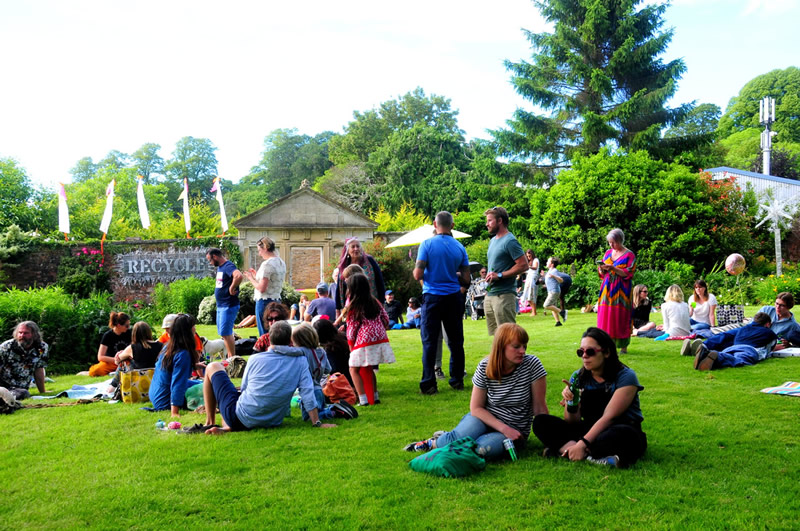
599,80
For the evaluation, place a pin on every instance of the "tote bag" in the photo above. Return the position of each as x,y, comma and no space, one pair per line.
135,385
729,314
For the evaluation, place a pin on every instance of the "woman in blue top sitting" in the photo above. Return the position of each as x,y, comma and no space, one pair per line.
174,367
606,428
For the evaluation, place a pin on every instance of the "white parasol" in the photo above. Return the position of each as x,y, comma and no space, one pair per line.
417,236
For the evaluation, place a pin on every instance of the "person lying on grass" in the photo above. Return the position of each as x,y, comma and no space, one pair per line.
735,348
508,389
268,384
606,426
174,366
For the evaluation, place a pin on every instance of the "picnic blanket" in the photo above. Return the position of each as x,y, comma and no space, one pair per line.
97,390
787,388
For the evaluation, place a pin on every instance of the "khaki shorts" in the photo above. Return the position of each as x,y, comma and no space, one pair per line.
552,299
499,309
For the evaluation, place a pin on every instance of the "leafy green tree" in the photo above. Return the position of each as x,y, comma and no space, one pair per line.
783,163
194,159
784,87
424,166
148,162
741,148
20,201
83,170
351,185
667,211
116,159
599,79
702,120
287,160
693,140
371,129
405,219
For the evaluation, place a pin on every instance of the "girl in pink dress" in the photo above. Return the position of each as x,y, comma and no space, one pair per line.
614,307
366,335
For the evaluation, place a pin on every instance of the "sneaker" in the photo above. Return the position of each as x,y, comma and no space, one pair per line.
695,346
611,460
437,434
421,446
563,314
686,347
458,386
704,360
558,323
549,452
343,410
440,374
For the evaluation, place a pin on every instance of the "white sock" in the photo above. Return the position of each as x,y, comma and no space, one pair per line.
362,399
376,396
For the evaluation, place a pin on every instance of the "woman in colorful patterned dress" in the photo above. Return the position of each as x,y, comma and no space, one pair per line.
614,306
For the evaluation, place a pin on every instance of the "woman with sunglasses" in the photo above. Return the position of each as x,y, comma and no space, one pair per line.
607,426
114,341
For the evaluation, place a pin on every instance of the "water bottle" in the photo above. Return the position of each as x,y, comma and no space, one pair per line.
572,405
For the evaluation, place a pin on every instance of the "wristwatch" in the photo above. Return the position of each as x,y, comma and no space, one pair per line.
500,274
317,424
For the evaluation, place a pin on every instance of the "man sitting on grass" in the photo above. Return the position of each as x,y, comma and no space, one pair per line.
268,384
747,346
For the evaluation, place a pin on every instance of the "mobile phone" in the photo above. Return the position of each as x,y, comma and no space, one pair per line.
599,262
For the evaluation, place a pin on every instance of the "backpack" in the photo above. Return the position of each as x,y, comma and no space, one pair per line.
338,388
235,367
244,347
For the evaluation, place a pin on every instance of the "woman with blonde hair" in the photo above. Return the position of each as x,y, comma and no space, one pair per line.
508,391
267,281
675,314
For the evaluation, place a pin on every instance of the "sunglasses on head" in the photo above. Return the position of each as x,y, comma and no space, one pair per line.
588,351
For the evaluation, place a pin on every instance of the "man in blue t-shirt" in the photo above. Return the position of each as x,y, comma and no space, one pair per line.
506,261
443,267
322,305
226,291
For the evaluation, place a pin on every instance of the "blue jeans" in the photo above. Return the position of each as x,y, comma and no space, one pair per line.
490,442
697,325
261,305
322,411
438,310
737,356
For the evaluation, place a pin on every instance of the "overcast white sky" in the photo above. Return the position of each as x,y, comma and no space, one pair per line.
83,77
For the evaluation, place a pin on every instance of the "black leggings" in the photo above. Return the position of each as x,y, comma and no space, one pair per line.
623,440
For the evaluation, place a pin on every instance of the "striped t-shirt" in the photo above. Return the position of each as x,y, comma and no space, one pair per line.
511,400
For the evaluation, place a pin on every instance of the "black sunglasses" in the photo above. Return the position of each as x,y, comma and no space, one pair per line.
589,352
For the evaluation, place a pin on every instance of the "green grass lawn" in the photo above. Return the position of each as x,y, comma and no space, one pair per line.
721,455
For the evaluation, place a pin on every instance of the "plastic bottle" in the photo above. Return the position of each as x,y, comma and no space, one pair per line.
160,424
572,405
508,444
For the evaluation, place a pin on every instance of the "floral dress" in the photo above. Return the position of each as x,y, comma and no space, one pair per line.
369,344
614,307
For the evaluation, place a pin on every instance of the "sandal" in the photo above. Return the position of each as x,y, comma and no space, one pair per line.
198,428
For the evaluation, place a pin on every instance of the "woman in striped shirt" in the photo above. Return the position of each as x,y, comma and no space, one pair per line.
508,390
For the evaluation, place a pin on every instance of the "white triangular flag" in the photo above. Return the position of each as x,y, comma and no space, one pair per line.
143,215
63,210
109,207
218,188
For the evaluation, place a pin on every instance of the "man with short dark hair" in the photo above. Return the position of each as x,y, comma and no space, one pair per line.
269,381
23,359
226,292
748,345
443,267
322,305
394,308
506,261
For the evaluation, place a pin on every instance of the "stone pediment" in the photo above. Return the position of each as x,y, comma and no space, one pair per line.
305,208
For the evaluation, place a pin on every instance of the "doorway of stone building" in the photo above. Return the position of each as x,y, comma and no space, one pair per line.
305,268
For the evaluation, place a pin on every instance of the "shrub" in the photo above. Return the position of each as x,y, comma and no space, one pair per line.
477,252
81,273
397,268
181,296
207,312
289,295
